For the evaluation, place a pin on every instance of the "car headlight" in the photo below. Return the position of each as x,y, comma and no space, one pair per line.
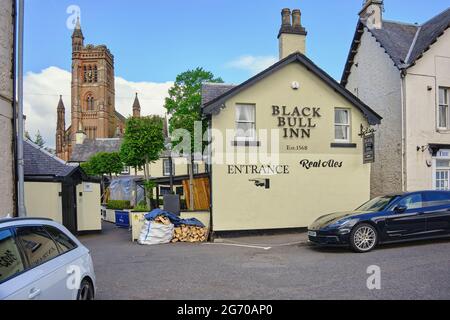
344,223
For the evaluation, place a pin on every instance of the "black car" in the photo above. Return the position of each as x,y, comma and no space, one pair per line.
386,219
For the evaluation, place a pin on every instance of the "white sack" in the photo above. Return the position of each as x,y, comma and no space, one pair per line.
155,233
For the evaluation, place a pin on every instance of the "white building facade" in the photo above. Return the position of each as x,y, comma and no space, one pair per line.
403,72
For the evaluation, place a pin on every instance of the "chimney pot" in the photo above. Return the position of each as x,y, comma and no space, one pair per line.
296,18
286,17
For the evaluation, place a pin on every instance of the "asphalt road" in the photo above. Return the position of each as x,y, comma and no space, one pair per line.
265,267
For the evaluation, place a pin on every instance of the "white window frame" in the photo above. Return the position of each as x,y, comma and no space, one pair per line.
442,155
347,125
167,173
445,104
253,136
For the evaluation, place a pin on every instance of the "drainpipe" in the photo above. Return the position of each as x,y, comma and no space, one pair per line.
209,165
14,107
403,102
20,170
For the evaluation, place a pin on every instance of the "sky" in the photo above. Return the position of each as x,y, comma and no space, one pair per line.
154,40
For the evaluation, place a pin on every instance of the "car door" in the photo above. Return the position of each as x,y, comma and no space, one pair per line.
437,212
46,276
407,223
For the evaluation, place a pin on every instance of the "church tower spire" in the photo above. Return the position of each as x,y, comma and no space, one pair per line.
60,127
77,37
136,107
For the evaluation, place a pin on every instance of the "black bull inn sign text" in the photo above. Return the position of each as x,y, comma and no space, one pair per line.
296,122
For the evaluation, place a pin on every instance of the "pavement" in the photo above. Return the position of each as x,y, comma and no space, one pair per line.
264,267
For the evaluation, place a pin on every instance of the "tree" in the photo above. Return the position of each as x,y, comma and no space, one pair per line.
39,140
103,163
184,107
142,145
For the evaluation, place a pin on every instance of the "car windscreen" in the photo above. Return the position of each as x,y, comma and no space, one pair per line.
377,204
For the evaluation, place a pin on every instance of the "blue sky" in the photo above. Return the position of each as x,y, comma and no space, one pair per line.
154,40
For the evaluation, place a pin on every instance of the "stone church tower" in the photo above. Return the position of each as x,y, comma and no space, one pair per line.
93,113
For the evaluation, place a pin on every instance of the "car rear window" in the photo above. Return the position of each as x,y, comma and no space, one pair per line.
64,242
10,260
38,245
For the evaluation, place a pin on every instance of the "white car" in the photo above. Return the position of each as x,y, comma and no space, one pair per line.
41,260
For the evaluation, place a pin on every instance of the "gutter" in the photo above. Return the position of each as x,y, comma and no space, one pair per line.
14,108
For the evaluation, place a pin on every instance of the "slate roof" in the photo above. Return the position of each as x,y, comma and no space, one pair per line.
39,162
211,91
214,104
120,116
404,43
82,152
396,38
429,33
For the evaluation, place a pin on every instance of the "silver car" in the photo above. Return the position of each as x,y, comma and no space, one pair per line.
41,260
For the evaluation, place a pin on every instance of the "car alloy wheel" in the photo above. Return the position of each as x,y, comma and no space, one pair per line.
86,291
364,238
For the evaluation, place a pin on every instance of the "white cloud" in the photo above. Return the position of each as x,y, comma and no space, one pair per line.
252,64
42,90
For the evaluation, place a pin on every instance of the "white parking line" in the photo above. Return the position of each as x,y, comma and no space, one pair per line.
239,245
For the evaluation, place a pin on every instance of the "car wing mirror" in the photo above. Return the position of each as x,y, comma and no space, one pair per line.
400,209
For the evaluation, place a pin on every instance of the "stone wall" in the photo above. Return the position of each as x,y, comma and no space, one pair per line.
376,81
6,114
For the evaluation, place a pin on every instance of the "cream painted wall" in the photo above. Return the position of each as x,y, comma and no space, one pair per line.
432,70
88,207
290,43
181,168
42,200
298,198
376,81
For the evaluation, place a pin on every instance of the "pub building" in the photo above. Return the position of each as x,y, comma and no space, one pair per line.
322,148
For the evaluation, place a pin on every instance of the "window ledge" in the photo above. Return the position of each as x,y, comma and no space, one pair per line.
343,145
244,143
443,131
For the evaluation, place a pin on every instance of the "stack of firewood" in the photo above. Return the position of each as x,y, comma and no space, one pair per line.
190,234
162,220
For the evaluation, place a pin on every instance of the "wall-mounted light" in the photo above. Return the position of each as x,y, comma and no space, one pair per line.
295,85
422,148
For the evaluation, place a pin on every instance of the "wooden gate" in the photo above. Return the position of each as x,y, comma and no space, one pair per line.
201,193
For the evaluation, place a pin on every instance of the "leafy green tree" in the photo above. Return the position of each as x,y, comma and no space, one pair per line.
184,107
103,163
142,144
39,140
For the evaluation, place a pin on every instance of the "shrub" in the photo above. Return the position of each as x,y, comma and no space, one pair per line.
141,208
118,204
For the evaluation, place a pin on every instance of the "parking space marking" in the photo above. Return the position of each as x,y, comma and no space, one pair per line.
239,245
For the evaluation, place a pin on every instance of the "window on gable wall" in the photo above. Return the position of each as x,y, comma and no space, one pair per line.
341,125
443,112
245,122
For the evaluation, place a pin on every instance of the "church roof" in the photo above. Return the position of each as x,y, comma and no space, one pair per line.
212,104
404,43
60,103
83,152
120,116
136,104
40,163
